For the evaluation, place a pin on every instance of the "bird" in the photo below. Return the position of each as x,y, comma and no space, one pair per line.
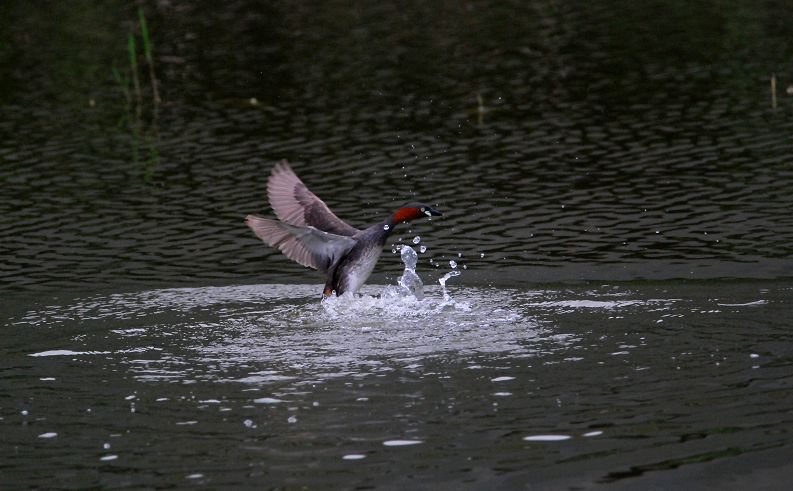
309,233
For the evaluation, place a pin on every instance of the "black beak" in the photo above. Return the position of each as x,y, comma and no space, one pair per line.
434,212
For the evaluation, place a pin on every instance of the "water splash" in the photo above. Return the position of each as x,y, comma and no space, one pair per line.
409,282
405,300
442,281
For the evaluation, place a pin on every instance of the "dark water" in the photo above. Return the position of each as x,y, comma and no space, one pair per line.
616,188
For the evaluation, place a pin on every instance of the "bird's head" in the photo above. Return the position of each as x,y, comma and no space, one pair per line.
412,211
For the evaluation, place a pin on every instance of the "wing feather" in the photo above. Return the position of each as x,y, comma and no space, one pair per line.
295,204
308,246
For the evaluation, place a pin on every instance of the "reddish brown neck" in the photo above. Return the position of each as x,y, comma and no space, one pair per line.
406,214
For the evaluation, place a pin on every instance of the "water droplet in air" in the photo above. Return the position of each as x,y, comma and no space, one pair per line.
416,239
386,227
453,263
423,249
354,456
481,254
292,419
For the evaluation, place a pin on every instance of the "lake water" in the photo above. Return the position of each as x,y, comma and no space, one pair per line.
616,187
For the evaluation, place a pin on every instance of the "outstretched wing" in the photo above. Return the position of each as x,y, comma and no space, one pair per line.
304,245
296,205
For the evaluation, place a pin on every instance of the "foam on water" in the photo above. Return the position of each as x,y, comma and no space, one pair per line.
223,333
405,300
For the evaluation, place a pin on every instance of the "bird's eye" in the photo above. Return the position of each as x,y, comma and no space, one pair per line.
423,209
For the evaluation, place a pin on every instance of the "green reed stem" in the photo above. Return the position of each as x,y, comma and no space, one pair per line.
147,51
133,65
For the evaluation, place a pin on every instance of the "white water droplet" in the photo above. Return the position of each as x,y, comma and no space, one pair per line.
423,249
291,419
248,423
354,456
416,239
108,458
546,438
267,400
49,434
481,254
453,264
401,443
386,227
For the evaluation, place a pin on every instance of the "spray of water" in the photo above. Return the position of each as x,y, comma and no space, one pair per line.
409,282
442,281
404,300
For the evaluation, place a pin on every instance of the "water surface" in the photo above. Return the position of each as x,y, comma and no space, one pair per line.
235,386
615,180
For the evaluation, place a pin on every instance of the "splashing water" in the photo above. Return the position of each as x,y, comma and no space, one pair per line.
451,274
405,300
409,282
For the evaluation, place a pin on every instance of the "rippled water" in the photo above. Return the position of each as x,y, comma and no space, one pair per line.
615,182
229,386
598,152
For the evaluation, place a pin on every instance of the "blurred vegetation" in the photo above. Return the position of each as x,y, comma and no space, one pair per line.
142,122
62,52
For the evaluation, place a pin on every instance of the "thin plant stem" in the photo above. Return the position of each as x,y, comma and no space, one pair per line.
147,51
133,66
